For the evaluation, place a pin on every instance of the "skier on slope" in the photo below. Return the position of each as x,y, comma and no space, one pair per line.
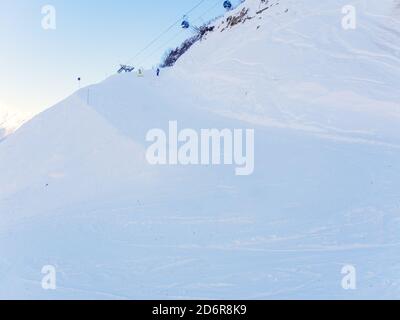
158,72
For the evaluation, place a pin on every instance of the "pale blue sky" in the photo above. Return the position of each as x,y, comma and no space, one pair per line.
39,67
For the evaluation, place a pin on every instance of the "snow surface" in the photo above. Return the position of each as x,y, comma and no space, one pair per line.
9,121
76,191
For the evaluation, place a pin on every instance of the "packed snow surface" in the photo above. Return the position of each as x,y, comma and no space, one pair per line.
77,193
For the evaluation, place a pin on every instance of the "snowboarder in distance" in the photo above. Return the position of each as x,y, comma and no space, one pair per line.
158,72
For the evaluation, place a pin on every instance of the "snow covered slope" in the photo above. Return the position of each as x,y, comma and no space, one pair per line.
77,193
9,122
294,66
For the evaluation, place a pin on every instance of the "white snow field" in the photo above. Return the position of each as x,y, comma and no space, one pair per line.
77,193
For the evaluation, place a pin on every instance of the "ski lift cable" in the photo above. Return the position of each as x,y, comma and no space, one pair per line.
177,34
164,32
162,46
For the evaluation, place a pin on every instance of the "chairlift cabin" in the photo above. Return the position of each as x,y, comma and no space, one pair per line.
185,23
227,5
